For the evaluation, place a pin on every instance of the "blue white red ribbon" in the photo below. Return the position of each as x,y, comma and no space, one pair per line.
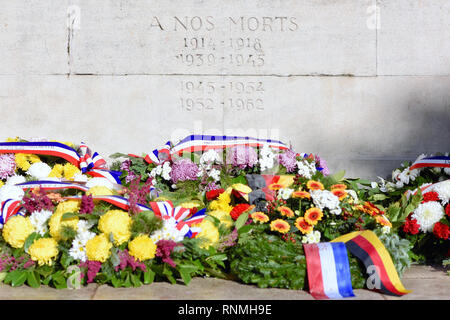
195,143
112,176
90,160
118,201
51,185
159,155
9,208
423,189
183,217
55,149
437,161
328,270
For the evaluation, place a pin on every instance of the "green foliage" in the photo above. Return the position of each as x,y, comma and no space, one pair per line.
145,222
399,250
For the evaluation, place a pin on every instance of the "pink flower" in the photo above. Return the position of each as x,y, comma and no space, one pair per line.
184,169
242,156
7,165
289,160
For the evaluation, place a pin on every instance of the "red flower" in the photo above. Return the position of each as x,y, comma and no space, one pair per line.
430,196
214,194
411,226
238,210
447,210
441,230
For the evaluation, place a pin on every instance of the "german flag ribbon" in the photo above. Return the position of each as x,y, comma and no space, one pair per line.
366,246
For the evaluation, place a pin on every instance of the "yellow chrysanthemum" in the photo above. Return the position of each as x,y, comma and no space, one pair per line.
280,225
43,251
22,161
209,233
99,191
223,216
118,222
12,139
98,248
70,171
33,158
16,231
56,223
222,203
1,183
142,248
57,171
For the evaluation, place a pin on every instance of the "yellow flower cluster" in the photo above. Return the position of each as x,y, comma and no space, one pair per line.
142,248
209,233
43,251
56,223
223,216
99,191
16,231
222,203
118,222
24,160
68,171
98,248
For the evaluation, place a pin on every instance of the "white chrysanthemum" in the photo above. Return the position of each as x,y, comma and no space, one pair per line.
210,157
39,170
78,249
215,174
443,190
169,231
427,214
39,220
16,179
83,226
325,199
79,177
99,182
312,237
11,192
166,169
267,157
306,169
285,193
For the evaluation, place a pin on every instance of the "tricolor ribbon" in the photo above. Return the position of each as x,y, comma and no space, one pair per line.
328,270
49,185
195,143
9,208
366,246
90,160
437,161
182,216
118,201
423,189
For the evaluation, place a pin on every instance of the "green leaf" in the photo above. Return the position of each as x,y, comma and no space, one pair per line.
19,278
244,229
115,260
115,282
33,279
338,176
30,239
3,275
169,274
135,280
241,220
379,197
149,277
69,215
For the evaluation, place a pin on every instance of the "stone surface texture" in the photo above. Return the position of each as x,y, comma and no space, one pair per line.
364,84
426,283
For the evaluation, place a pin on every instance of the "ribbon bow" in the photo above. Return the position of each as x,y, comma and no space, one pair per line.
183,217
89,160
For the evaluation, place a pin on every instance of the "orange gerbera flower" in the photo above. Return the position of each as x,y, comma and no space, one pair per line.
285,211
371,209
303,225
280,226
275,186
313,215
260,217
340,193
301,194
381,219
338,186
314,185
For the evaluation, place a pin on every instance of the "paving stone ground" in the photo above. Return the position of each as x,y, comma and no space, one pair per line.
426,283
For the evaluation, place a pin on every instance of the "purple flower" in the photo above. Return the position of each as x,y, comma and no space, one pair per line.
289,160
229,241
164,248
7,165
242,156
137,194
37,201
127,260
323,164
87,204
93,267
125,166
184,169
211,186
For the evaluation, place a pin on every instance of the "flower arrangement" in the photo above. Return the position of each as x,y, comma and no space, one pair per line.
228,212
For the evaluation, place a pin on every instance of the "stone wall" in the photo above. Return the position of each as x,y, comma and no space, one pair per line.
365,84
